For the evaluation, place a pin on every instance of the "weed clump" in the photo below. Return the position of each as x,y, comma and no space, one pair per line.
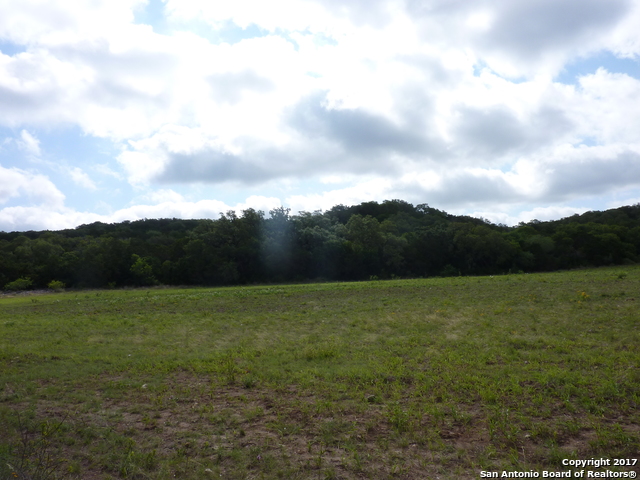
34,456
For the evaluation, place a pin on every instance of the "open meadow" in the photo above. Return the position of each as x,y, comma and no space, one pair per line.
428,378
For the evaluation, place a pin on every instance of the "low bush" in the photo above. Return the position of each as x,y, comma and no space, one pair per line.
23,283
56,285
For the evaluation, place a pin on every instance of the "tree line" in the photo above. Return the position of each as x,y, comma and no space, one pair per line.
372,240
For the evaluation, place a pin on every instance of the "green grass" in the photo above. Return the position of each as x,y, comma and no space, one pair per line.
388,379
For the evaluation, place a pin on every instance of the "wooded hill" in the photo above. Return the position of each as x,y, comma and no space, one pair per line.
371,240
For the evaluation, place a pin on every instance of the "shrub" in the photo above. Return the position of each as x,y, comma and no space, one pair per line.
56,285
22,283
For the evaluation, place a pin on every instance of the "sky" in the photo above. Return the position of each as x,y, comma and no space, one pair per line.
510,110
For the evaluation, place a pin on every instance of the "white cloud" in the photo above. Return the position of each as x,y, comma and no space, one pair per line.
161,196
549,213
524,38
23,218
285,14
375,188
36,188
29,144
56,216
623,201
624,39
608,107
63,21
539,213
141,167
106,170
81,178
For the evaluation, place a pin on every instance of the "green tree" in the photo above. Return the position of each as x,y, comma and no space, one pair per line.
478,249
142,271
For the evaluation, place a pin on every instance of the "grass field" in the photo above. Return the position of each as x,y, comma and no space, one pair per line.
432,378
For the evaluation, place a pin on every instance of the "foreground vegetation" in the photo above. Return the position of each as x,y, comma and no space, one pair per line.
430,378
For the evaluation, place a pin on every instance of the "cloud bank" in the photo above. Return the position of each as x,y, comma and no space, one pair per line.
455,104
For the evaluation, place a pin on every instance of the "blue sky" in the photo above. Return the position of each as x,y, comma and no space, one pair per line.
125,109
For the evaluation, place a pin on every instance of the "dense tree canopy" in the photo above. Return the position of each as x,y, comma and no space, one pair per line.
371,240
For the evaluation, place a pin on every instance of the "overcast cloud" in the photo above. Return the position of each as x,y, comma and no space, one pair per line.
125,109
